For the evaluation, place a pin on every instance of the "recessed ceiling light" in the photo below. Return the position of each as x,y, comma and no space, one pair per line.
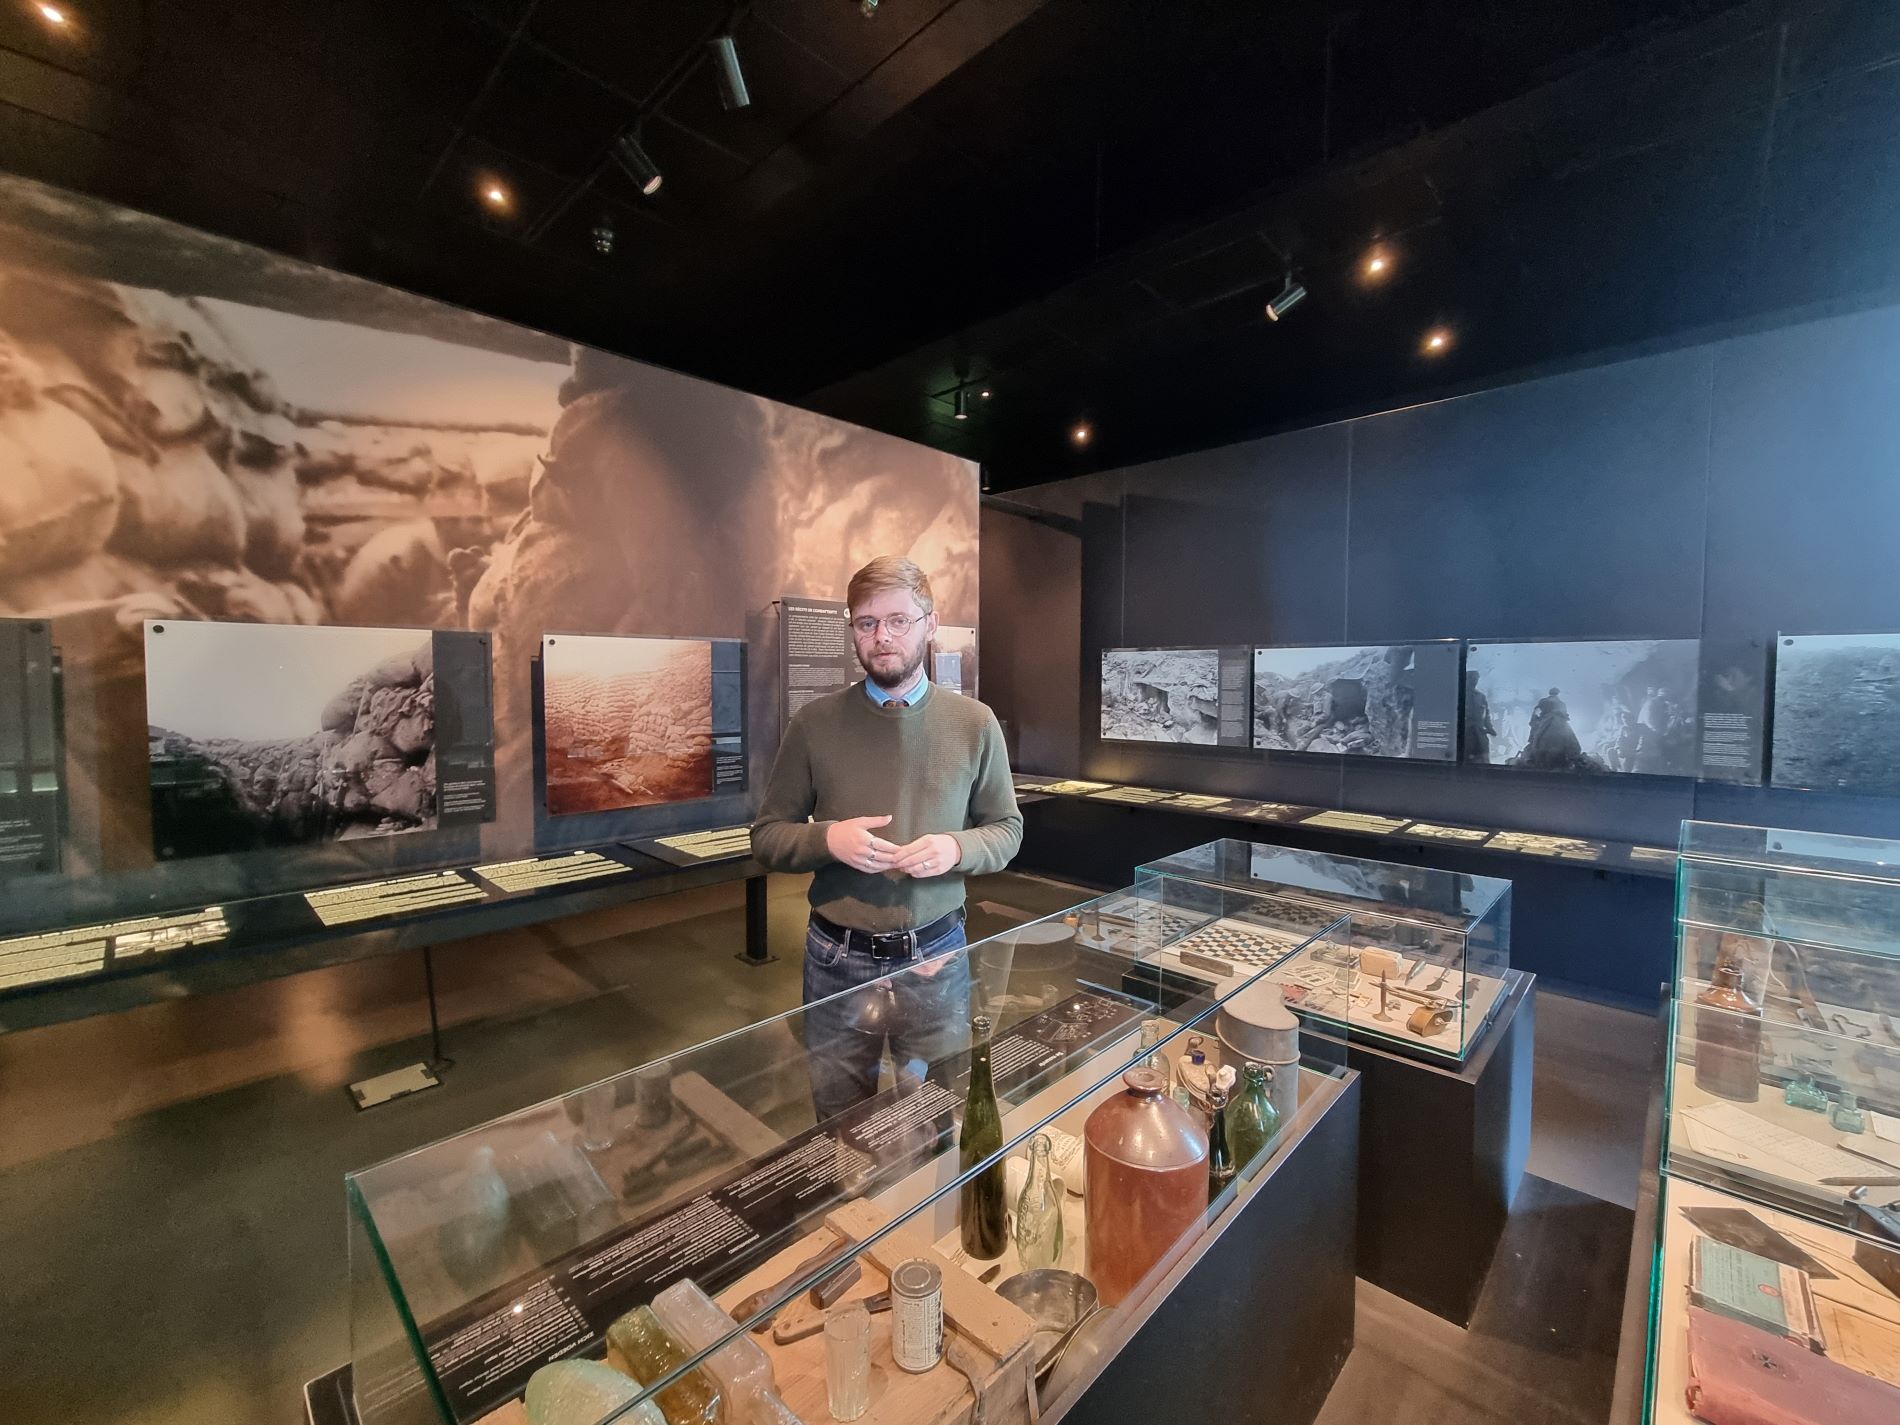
1082,433
984,393
494,195
1437,340
1378,265
52,14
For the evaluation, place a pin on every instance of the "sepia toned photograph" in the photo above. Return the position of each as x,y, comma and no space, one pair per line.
1623,706
1378,700
1161,695
628,721
264,735
1837,712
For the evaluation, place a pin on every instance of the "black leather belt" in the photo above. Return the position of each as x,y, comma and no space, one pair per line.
890,944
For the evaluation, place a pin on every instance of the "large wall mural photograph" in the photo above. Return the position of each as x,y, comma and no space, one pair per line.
193,429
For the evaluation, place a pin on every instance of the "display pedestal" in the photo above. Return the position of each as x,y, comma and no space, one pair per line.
1442,1150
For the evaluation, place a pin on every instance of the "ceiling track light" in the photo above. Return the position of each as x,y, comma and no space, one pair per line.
637,163
603,236
1291,295
728,73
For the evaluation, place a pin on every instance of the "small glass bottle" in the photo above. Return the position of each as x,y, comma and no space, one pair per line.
1151,1055
1039,1210
1727,1038
983,1200
1252,1120
1846,1115
1220,1161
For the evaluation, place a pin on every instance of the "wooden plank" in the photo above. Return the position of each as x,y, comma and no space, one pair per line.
724,1117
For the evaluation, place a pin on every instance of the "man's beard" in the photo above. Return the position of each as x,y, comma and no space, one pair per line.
892,682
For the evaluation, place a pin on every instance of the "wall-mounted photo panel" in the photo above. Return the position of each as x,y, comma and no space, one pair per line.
1837,713
953,658
32,749
1359,700
634,722
1621,706
1196,696
271,735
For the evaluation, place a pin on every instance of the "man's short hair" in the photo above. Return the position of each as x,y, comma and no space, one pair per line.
886,572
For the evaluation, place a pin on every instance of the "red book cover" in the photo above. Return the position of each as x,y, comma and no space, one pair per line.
1741,1375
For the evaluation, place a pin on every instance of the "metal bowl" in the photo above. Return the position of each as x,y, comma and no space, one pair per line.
1054,1299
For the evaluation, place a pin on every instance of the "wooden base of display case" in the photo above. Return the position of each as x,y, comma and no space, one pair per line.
1003,1337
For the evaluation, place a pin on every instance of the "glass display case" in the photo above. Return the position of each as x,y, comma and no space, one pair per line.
982,1150
1784,1070
1412,956
1775,1276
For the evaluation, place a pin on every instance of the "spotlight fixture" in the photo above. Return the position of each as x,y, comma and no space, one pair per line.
963,403
52,14
494,195
1291,295
984,393
640,167
868,9
726,70
603,237
1082,433
1437,341
1377,266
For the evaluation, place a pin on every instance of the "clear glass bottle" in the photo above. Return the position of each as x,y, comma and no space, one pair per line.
1846,1116
650,1351
1039,1210
1220,1159
1252,1120
984,1211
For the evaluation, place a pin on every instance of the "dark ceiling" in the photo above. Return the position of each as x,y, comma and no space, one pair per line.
1083,203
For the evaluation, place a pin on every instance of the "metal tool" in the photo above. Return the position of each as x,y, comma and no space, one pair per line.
786,1332
764,1297
963,1357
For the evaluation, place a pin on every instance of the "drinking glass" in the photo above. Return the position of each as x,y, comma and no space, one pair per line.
848,1360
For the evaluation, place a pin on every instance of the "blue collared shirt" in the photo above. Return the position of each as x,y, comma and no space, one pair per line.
881,696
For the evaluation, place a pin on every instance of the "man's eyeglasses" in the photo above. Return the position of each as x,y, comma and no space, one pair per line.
897,625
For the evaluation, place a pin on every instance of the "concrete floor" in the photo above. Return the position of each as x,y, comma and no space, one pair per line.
172,1243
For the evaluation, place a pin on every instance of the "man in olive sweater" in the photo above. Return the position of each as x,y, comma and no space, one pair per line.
889,793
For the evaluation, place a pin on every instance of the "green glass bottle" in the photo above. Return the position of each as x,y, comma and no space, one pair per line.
1252,1120
984,1210
1220,1160
650,1351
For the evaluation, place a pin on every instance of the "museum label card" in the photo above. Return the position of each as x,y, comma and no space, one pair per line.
542,872
66,954
406,895
1359,821
1446,833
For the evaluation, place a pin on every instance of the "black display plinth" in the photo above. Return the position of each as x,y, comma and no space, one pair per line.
1442,1150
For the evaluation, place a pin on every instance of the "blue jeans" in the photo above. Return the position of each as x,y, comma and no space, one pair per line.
855,1005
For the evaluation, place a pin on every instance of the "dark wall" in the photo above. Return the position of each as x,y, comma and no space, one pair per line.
1727,491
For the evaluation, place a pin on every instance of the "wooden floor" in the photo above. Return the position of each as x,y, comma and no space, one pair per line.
172,1246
